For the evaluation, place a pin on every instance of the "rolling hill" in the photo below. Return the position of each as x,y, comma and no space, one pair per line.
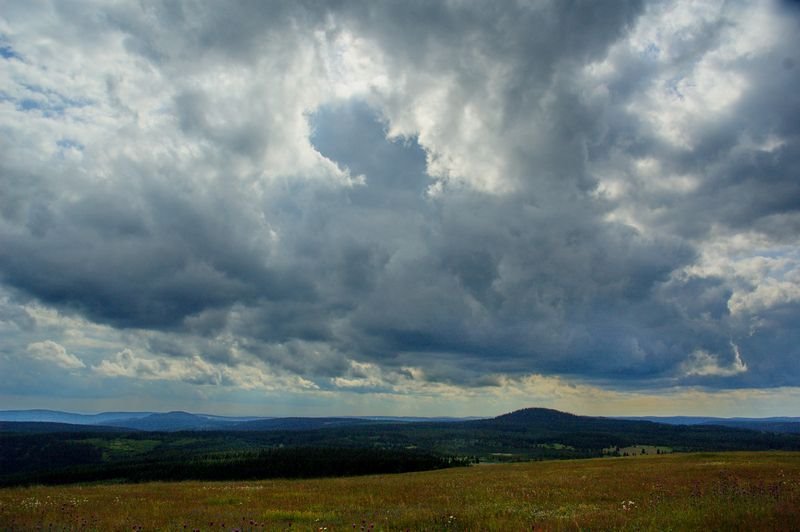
153,447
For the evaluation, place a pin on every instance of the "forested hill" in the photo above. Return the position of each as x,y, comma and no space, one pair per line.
533,417
178,421
48,452
42,427
545,420
172,421
527,419
586,432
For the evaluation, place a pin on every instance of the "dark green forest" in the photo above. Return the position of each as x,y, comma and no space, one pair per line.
29,454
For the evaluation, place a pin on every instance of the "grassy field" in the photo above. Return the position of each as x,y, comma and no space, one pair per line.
637,450
718,491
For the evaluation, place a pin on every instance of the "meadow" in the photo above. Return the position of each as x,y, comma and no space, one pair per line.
702,491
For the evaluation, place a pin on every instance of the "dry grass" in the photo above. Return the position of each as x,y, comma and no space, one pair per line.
719,491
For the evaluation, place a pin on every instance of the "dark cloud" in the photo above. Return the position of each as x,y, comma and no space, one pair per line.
144,256
476,190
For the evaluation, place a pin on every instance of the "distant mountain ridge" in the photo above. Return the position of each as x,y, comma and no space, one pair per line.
49,426
546,418
152,446
56,416
782,424
148,421
186,421
172,421
698,420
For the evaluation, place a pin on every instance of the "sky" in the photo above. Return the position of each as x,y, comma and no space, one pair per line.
400,208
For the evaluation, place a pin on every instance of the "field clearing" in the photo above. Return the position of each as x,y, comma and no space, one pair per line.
637,450
122,447
718,491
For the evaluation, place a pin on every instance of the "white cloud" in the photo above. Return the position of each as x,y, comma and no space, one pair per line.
51,352
762,274
196,370
703,363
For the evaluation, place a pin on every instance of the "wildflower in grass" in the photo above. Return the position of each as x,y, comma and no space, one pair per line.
628,505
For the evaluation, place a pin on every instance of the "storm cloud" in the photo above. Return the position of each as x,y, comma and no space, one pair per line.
400,198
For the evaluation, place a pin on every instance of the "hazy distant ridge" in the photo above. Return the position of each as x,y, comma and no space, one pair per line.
178,420
767,424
